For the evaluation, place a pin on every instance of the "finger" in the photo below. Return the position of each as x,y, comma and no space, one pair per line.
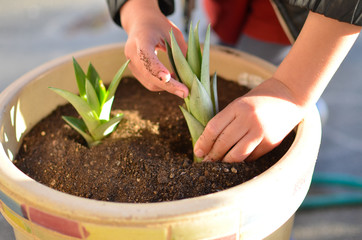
177,88
152,74
142,78
137,68
243,148
226,140
171,85
211,132
148,58
173,75
161,46
263,148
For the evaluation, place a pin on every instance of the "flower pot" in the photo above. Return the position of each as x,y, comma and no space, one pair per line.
260,208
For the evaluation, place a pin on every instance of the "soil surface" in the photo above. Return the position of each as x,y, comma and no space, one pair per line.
148,159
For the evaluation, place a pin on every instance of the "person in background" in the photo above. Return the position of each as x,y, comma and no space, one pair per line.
308,38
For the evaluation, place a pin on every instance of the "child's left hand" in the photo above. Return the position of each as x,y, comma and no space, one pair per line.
251,125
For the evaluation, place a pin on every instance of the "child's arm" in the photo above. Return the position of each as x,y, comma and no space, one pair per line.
254,124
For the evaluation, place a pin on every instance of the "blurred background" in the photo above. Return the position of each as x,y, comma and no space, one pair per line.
33,32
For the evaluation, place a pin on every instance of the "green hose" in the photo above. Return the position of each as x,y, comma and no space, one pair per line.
339,199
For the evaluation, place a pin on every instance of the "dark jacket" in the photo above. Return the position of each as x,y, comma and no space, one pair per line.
291,13
294,12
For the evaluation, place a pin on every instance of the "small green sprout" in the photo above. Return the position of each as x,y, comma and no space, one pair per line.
93,104
193,71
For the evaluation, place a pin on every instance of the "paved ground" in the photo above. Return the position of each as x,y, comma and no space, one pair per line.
35,31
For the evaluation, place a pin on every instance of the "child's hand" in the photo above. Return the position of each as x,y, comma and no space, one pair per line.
251,125
147,31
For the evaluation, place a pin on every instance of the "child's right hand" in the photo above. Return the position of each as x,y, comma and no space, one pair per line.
147,31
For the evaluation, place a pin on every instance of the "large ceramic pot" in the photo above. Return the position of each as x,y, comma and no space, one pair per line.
260,208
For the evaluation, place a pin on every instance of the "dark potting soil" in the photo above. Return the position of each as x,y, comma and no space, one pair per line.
148,159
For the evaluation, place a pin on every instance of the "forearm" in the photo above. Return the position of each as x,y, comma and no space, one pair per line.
314,58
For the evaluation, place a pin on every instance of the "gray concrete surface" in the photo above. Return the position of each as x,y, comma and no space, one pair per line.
35,31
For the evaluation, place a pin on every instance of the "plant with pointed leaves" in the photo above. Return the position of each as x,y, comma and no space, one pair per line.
202,103
93,104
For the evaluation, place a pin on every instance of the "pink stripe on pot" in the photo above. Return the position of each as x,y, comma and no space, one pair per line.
230,237
61,225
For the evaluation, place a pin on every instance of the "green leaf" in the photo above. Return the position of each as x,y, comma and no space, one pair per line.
94,79
214,96
92,97
193,55
197,159
205,70
106,110
107,127
80,127
94,105
170,57
116,80
80,77
89,116
201,106
185,72
197,39
195,128
187,103
102,93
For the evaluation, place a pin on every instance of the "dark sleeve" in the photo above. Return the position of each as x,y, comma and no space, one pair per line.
167,7
349,11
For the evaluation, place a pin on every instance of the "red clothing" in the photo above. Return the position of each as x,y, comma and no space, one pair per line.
255,18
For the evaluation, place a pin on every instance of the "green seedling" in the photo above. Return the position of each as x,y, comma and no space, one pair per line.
93,104
202,103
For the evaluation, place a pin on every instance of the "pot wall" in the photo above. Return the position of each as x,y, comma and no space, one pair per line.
252,210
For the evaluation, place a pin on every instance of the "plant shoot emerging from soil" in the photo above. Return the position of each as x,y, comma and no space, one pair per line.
93,104
202,103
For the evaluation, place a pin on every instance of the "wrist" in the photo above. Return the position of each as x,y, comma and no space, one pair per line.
145,9
277,89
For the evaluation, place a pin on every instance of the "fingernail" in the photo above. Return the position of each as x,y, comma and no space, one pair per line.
166,77
180,93
199,153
